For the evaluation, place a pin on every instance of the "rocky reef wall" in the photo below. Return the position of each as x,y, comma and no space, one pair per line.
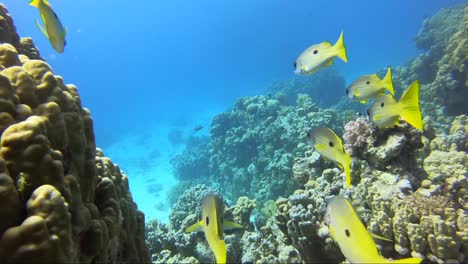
62,200
408,186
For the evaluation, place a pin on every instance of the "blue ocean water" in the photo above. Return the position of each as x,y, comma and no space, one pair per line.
146,69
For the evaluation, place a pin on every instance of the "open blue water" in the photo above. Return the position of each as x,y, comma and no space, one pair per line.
148,68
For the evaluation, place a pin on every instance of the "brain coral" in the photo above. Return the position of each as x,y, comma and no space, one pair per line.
62,201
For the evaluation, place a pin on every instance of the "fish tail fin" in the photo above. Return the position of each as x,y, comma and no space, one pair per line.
347,170
340,48
35,3
409,102
407,260
220,252
388,81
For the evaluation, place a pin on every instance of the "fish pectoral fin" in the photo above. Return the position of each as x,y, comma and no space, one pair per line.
41,28
377,117
227,225
329,62
380,237
195,227
332,232
320,147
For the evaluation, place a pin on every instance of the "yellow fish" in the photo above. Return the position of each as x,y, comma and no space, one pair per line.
385,111
54,30
329,145
213,224
370,86
355,242
319,56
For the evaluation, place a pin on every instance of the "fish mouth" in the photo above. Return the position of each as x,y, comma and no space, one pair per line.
349,93
297,68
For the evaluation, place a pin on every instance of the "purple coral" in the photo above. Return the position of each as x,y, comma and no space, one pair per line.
356,136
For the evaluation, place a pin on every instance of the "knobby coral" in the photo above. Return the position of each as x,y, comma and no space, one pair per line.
62,200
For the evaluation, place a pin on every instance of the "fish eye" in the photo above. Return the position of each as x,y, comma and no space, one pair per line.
330,144
295,65
207,221
347,233
382,104
367,82
368,112
315,51
64,43
347,91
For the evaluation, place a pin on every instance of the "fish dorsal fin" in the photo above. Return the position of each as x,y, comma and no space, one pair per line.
227,225
41,28
195,227
380,237
388,82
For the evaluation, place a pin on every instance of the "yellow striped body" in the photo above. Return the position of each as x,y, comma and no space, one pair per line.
54,29
370,86
355,242
319,56
329,145
213,225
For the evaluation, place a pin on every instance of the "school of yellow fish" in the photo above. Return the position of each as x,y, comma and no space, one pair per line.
346,228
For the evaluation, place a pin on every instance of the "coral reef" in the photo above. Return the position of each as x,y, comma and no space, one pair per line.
169,243
63,201
414,195
380,147
268,245
312,86
408,186
443,69
24,46
192,164
253,146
